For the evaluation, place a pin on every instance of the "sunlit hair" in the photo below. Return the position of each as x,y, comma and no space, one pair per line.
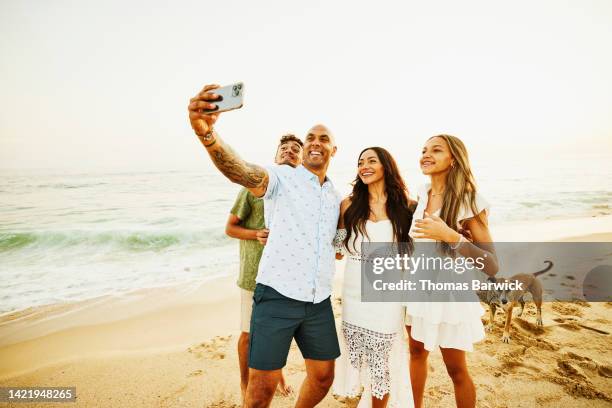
460,190
397,205
289,137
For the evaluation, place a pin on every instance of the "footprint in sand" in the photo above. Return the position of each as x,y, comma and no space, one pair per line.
605,371
573,356
566,309
566,368
573,324
522,332
222,404
438,392
568,323
515,359
212,349
512,359
173,397
347,402
195,373
587,363
575,382
529,327
539,343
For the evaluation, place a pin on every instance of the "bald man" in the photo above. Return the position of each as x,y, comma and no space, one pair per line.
294,280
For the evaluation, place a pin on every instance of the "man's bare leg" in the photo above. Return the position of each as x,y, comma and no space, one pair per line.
243,361
261,387
319,379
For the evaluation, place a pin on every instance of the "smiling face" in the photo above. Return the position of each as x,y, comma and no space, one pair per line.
369,167
319,147
436,157
289,153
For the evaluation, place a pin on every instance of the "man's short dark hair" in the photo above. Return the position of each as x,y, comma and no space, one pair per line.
289,137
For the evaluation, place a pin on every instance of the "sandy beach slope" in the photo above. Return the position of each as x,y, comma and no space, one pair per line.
176,347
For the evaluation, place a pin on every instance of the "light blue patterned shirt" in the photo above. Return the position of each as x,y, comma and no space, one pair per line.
298,260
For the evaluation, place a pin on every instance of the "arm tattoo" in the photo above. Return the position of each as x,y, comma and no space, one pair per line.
236,169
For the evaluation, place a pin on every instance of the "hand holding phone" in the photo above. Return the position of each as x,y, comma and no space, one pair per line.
230,98
204,108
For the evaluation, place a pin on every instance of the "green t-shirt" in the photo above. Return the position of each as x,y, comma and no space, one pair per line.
250,210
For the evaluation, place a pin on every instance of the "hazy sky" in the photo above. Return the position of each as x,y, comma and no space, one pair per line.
106,83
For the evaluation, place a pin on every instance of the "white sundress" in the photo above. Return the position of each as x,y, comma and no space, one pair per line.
373,341
454,325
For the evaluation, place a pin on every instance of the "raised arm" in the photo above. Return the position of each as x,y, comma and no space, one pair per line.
251,176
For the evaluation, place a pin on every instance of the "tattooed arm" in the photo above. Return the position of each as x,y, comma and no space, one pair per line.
251,176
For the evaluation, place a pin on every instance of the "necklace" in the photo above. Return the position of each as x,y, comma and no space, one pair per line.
437,194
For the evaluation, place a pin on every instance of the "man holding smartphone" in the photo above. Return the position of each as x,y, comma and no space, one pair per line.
246,223
294,281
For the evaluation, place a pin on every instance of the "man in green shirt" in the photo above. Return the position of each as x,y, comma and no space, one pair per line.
246,220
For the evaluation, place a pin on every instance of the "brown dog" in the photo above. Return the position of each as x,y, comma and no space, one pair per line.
508,299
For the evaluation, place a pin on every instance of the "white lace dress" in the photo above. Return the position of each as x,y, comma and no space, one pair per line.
374,360
446,324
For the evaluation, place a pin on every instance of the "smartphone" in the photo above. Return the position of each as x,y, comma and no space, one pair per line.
231,97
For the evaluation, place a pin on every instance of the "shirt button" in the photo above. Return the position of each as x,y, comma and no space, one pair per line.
313,291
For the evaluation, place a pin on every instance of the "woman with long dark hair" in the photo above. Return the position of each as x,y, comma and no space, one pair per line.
449,207
374,352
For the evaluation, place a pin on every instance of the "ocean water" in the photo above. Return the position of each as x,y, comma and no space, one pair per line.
70,235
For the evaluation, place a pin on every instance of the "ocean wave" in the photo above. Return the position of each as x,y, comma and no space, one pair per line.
124,240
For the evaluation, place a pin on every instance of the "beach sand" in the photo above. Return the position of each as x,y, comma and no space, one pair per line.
176,347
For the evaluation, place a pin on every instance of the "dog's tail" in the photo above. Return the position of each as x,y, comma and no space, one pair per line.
548,268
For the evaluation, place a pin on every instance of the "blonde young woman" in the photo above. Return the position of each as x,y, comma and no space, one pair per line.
449,207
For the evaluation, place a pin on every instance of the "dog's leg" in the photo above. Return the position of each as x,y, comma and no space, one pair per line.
492,309
536,293
506,336
522,302
539,315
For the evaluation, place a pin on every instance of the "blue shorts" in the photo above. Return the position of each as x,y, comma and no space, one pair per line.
277,319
